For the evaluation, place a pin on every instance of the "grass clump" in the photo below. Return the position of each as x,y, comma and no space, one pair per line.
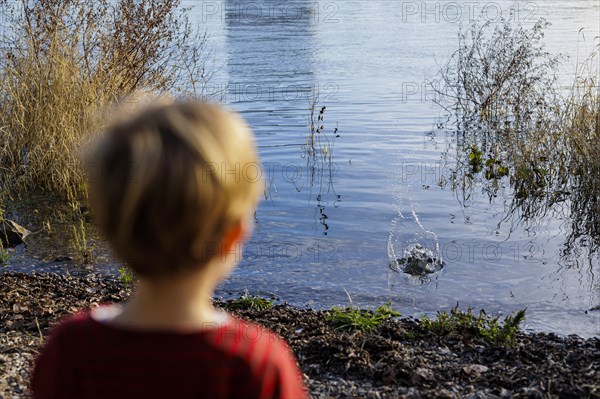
250,302
126,276
353,318
83,247
460,324
4,255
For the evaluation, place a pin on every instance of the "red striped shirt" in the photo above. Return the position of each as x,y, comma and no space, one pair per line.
85,358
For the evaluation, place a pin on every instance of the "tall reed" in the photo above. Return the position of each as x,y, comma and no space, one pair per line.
67,60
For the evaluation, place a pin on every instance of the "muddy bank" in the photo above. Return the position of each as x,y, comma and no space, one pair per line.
400,358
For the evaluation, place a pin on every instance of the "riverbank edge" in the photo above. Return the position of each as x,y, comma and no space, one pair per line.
400,358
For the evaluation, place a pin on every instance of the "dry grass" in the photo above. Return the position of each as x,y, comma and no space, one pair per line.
580,124
67,61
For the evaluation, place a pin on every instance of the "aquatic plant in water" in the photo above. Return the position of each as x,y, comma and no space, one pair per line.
83,247
513,126
320,168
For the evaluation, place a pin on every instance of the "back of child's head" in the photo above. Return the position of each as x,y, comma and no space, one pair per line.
168,183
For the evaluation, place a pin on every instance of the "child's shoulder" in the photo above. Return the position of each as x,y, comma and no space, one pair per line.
237,328
251,342
72,323
68,335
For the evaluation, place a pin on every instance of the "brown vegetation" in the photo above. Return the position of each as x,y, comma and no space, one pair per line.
64,61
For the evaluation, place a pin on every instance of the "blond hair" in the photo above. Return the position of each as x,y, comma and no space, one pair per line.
168,183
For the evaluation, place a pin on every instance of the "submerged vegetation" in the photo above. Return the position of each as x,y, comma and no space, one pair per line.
4,255
516,125
320,168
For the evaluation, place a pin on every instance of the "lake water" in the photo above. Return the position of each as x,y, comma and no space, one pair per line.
369,61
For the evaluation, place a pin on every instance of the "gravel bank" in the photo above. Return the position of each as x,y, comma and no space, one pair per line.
398,359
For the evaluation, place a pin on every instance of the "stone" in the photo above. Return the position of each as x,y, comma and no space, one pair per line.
422,375
475,370
12,234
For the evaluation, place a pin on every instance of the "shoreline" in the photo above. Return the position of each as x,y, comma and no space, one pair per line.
399,358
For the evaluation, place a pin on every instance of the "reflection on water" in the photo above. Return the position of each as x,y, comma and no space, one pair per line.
370,61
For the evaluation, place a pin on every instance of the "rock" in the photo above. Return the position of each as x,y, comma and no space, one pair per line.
62,258
422,375
475,370
11,233
417,261
444,393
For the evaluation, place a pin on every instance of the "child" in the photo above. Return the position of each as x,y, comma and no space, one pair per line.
173,189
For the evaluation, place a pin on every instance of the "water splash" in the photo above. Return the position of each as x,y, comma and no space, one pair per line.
413,250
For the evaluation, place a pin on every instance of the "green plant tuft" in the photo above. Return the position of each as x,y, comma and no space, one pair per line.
461,324
250,302
126,276
4,256
353,318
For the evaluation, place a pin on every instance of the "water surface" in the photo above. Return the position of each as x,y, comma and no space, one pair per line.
369,62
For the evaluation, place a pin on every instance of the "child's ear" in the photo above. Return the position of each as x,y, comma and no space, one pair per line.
238,232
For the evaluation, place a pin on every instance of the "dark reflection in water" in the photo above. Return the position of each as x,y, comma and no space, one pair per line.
269,58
